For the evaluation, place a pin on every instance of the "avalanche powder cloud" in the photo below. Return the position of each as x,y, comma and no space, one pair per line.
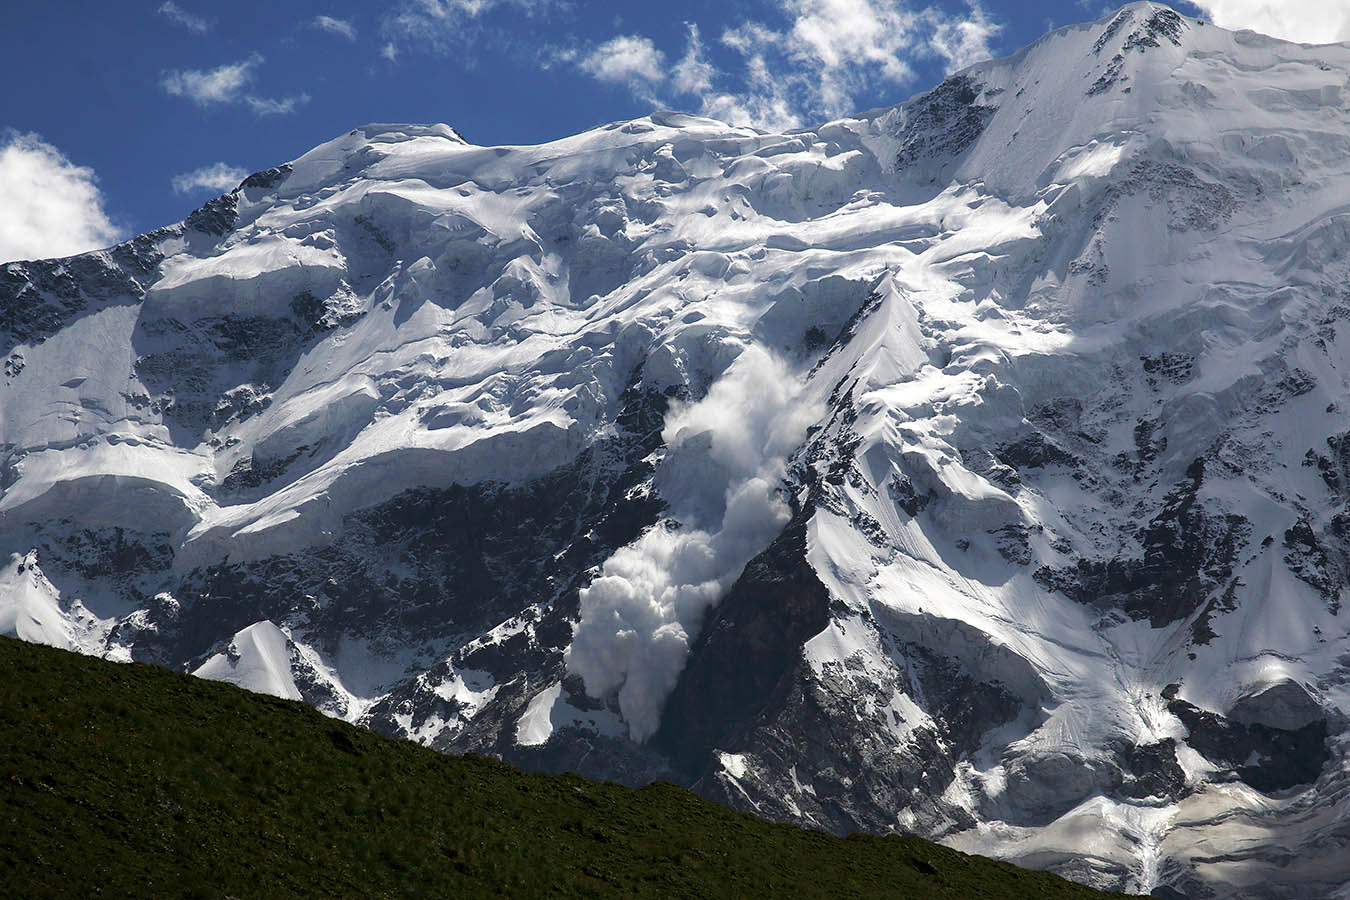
723,473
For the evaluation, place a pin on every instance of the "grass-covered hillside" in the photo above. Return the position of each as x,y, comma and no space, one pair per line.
131,781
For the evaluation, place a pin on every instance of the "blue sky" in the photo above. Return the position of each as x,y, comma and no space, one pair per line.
118,118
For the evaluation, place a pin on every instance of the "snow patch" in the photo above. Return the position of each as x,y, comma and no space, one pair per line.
535,725
30,607
733,764
258,658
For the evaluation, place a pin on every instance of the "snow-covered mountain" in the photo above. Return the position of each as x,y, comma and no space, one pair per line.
978,467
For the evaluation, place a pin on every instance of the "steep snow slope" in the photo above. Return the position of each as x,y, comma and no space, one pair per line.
976,466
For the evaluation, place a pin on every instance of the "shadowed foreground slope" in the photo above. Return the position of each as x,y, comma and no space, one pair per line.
130,780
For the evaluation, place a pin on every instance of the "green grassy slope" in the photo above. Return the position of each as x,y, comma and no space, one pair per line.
132,781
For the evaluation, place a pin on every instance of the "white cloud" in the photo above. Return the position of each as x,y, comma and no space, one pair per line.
453,23
228,84
763,102
799,61
223,84
847,41
217,177
964,42
813,62
459,10
628,60
52,207
1304,21
827,52
340,27
180,16
265,106
693,74
725,464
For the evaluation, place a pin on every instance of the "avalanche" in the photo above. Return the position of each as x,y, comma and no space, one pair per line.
977,466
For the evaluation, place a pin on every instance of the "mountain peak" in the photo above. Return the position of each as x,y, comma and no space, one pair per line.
1143,25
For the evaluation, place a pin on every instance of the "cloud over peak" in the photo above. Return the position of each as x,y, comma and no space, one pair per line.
52,206
1303,21
808,60
217,177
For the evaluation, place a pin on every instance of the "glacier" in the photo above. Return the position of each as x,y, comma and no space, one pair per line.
977,467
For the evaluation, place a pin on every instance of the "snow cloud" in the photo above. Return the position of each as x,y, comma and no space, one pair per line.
724,467
1304,21
811,63
217,178
52,206
179,16
227,84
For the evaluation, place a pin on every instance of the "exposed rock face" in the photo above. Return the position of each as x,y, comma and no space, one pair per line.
941,124
976,467
748,654
1267,757
1187,557
1285,706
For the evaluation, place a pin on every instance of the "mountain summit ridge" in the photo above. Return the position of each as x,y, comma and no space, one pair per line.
973,467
